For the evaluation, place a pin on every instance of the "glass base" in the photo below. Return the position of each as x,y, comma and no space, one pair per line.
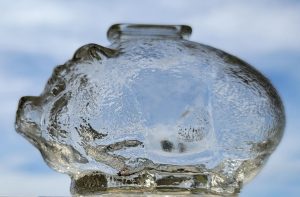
147,183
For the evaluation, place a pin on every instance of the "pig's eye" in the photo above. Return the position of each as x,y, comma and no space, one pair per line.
58,88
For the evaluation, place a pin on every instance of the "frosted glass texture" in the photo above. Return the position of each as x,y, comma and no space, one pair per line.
154,112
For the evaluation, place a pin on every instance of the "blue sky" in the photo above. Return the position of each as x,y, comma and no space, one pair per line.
37,35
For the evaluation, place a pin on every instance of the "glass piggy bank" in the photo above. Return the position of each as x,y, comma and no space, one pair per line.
154,112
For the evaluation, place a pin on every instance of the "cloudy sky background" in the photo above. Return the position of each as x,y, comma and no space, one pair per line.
37,35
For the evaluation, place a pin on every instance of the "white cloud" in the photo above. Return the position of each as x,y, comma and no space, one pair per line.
252,27
33,13
241,27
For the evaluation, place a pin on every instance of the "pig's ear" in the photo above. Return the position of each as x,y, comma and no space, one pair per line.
94,51
29,117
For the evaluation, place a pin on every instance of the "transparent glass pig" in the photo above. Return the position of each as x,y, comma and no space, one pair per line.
154,112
